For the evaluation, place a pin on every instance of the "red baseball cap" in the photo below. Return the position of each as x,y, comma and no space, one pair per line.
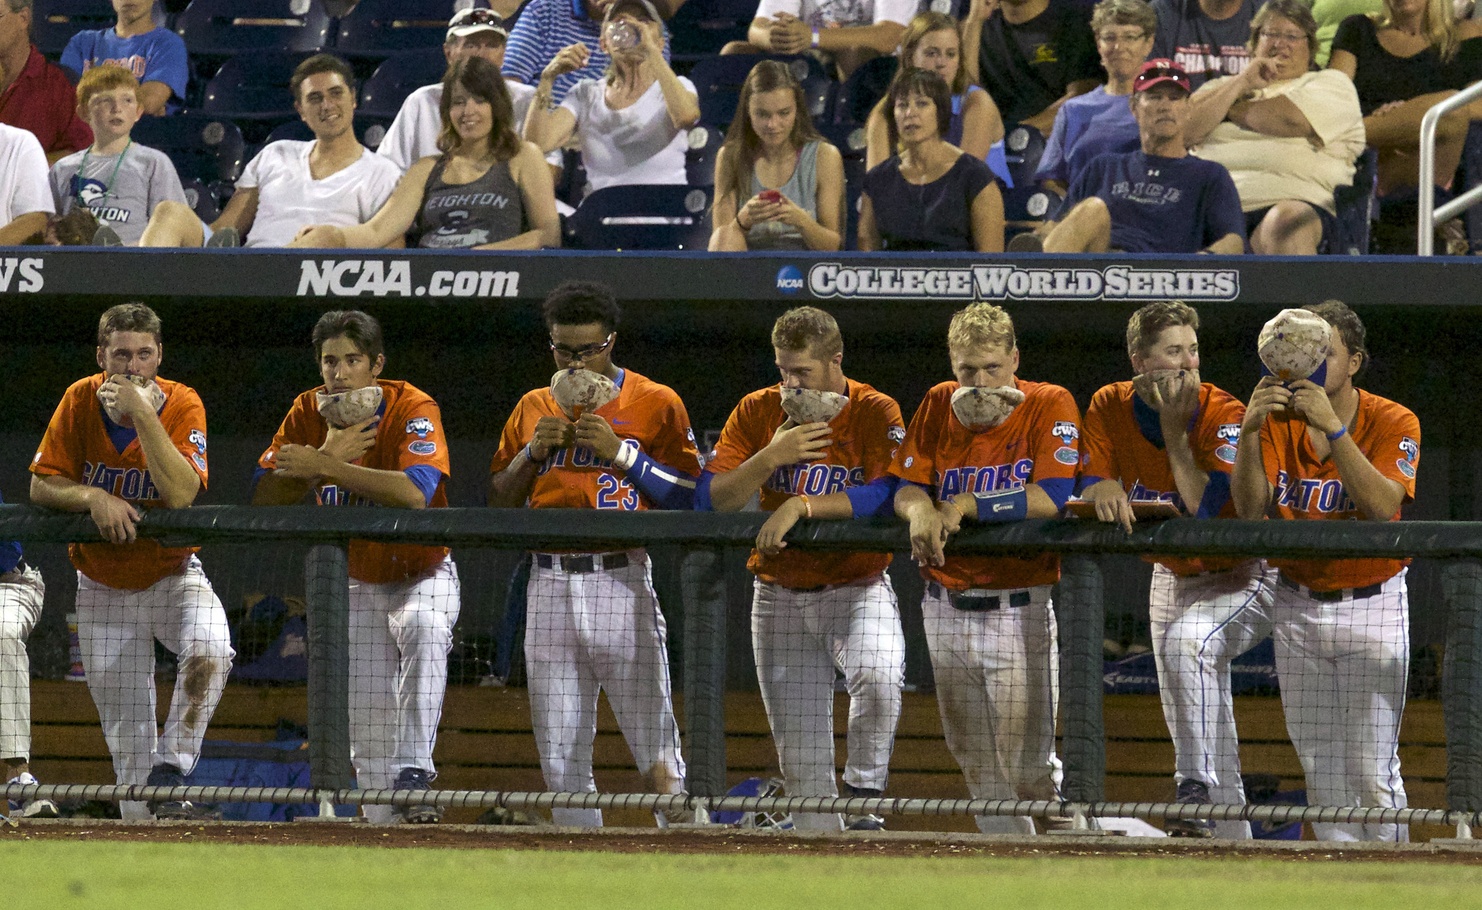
1156,72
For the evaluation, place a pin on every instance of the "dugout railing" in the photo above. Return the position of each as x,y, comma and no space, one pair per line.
710,541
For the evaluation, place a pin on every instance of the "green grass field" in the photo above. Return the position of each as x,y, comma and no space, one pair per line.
104,875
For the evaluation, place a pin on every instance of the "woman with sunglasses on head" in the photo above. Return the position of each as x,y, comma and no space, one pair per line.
487,191
932,42
631,124
778,184
931,195
1288,134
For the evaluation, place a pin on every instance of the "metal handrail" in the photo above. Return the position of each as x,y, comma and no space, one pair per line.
1430,216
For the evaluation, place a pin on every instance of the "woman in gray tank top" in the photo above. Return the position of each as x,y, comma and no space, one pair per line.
489,190
778,184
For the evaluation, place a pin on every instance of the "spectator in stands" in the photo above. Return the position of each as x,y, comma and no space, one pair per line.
779,185
1207,38
24,199
848,32
1289,135
546,27
414,133
1031,55
1404,61
35,94
487,191
1158,199
1101,120
1329,14
118,180
630,124
154,54
931,195
932,42
292,184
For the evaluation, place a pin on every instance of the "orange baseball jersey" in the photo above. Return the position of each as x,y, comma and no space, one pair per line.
862,440
1037,443
1389,436
79,447
410,434
1113,445
645,413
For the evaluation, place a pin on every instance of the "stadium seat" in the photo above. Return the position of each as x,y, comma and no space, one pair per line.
379,28
383,93
718,82
204,148
854,172
699,159
223,28
1023,147
702,27
369,130
202,200
1025,205
54,22
1355,205
253,87
642,217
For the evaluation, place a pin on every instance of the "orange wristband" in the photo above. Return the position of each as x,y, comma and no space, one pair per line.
807,505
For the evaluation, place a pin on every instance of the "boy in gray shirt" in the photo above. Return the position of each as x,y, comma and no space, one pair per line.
117,179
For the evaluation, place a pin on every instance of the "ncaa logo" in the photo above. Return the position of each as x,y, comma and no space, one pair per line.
789,279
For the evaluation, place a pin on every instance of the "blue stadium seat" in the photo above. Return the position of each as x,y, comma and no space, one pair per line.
699,158
702,27
253,87
642,217
854,172
379,28
202,199
718,82
1026,204
383,93
54,22
1355,205
222,28
1023,147
204,148
369,130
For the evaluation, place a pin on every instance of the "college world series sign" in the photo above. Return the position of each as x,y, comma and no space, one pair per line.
1014,282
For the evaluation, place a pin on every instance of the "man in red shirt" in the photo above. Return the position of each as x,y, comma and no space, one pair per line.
35,94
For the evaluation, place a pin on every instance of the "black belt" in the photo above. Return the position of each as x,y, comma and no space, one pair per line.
1330,596
977,603
582,564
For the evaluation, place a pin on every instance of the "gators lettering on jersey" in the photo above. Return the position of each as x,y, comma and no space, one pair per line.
1113,445
862,440
1389,436
1037,443
78,445
410,434
645,414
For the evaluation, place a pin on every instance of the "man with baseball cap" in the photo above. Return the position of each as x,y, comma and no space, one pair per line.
471,33
1158,199
545,27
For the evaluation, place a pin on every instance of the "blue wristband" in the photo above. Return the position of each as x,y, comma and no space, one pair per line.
1002,505
1336,434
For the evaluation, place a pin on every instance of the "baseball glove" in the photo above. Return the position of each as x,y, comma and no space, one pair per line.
984,407
812,405
152,393
1294,344
579,391
345,409
1168,383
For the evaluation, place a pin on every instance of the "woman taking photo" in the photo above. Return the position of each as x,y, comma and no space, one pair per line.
932,195
487,191
932,42
778,185
631,124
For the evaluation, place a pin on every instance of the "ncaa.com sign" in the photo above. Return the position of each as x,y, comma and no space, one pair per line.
1009,282
378,278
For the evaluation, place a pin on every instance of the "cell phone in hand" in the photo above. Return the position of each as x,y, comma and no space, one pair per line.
772,197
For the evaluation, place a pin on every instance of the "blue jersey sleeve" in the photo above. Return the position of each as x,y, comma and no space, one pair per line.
1216,494
426,477
169,63
702,493
1057,488
875,499
77,53
664,486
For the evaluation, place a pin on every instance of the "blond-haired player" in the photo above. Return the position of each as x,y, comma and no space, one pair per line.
990,447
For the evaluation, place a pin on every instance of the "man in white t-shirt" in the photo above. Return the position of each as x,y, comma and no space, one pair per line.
25,195
471,33
292,184
851,31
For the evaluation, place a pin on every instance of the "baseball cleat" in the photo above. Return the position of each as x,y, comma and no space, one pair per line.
416,779
865,821
225,238
1190,793
167,775
34,808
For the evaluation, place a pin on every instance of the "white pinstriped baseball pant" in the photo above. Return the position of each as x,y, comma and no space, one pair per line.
21,594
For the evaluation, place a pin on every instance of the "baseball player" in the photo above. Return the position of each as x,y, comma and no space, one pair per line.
1166,437
362,440
619,441
120,441
818,446
21,592
990,447
1329,451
